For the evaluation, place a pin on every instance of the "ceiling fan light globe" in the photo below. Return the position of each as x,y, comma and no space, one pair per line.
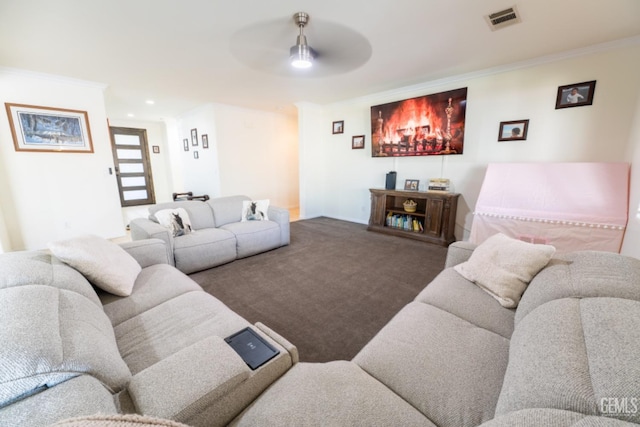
301,56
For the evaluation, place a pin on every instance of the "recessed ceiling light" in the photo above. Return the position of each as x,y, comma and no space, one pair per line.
130,115
150,101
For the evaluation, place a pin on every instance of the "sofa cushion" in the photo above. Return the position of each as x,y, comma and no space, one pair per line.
580,275
199,212
255,210
335,393
50,335
454,294
44,269
204,249
173,325
154,285
575,354
446,367
254,237
82,395
503,267
104,263
227,209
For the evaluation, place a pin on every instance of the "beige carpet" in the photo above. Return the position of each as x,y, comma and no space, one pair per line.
331,290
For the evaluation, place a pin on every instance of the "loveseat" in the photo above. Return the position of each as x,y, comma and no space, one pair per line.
220,234
68,348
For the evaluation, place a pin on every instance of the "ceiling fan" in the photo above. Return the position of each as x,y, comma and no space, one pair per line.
264,46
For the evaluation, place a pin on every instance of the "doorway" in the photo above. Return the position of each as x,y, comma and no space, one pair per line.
132,165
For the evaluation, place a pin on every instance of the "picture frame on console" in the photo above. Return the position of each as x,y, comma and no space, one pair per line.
338,127
575,95
411,184
515,130
46,129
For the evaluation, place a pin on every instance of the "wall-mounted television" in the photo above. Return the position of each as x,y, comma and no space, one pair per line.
427,125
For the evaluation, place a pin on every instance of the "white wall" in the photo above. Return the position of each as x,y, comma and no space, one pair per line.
600,132
251,152
631,243
49,196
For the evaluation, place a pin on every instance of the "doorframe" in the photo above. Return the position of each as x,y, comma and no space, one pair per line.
146,165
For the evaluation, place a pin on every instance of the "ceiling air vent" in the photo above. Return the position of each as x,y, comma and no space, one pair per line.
502,19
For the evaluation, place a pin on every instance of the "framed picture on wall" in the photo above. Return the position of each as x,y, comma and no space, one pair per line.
357,142
185,143
156,149
205,141
56,130
194,137
575,95
338,127
515,130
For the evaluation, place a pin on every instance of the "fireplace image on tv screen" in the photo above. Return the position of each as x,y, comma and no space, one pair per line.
424,126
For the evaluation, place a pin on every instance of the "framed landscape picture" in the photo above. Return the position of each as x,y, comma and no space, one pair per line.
36,128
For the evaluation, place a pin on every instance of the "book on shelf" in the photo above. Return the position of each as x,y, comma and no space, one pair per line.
403,222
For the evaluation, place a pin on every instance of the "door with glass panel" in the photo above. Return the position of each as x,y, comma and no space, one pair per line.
133,169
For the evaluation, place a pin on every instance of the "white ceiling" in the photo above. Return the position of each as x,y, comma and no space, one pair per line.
185,53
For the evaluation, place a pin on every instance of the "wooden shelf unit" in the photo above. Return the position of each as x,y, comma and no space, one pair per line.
433,221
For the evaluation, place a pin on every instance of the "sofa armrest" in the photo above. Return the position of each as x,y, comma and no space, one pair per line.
291,349
147,252
204,371
280,216
144,228
458,253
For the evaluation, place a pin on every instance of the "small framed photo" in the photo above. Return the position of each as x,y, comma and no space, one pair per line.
338,127
194,137
156,149
196,155
205,141
56,130
411,184
357,142
575,95
515,130
185,142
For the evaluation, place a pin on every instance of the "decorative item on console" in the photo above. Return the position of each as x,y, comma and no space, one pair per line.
421,126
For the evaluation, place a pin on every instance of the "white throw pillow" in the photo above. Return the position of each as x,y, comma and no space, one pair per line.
503,267
255,210
177,221
103,263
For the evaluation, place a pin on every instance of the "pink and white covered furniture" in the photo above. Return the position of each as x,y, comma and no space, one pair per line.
572,206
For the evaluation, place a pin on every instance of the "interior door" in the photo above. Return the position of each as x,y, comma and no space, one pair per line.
133,169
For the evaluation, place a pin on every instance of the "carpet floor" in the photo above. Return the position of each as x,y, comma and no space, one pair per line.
331,290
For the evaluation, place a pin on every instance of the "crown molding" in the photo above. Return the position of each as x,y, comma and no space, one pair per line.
556,57
52,77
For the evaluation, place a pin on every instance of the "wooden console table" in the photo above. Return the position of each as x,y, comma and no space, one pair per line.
433,221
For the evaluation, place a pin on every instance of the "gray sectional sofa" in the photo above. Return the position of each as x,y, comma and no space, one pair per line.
220,236
69,349
569,355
